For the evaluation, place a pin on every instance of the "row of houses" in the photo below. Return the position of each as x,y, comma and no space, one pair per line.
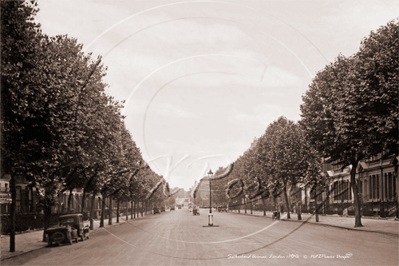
377,179
27,198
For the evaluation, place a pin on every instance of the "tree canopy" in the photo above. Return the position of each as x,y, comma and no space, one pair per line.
351,108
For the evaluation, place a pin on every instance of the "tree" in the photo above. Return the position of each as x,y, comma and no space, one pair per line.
218,191
313,176
284,157
350,110
19,40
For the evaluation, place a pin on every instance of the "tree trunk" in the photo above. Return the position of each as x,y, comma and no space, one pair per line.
69,201
93,202
286,202
263,205
358,220
299,210
102,209
12,212
299,203
117,211
133,210
60,200
396,195
83,200
315,203
62,203
127,210
245,204
110,211
47,217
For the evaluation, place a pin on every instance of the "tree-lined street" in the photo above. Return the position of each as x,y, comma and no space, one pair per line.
92,131
179,238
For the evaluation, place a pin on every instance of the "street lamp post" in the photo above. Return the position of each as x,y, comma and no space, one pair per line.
210,216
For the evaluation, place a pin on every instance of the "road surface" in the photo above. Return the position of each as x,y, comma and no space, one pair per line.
180,238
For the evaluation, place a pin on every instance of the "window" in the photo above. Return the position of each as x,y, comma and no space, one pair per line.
386,186
391,186
335,189
371,187
378,186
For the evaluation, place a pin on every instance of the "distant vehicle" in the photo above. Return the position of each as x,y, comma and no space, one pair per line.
162,209
70,227
179,206
156,210
196,211
276,215
172,208
222,209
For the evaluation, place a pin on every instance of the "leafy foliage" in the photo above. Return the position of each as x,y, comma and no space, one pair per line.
351,108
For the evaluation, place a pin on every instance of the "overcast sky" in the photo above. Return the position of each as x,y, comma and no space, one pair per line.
205,78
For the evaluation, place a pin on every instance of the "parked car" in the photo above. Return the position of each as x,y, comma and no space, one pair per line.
162,209
172,208
276,215
196,211
156,210
70,227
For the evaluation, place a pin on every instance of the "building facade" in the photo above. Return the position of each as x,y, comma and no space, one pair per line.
377,181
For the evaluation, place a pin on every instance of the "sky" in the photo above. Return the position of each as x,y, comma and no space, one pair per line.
202,79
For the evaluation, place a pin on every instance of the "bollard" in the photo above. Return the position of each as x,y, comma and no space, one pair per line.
210,219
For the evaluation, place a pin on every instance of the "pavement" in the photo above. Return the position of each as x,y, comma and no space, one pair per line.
31,240
389,226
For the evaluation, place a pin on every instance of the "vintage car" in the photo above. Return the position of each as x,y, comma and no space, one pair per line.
172,208
162,209
70,227
276,215
156,210
196,211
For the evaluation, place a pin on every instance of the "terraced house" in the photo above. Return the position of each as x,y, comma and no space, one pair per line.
377,179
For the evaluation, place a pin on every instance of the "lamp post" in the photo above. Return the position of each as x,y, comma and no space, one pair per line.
210,215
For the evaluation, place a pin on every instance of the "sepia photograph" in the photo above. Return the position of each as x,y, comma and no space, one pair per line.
199,132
